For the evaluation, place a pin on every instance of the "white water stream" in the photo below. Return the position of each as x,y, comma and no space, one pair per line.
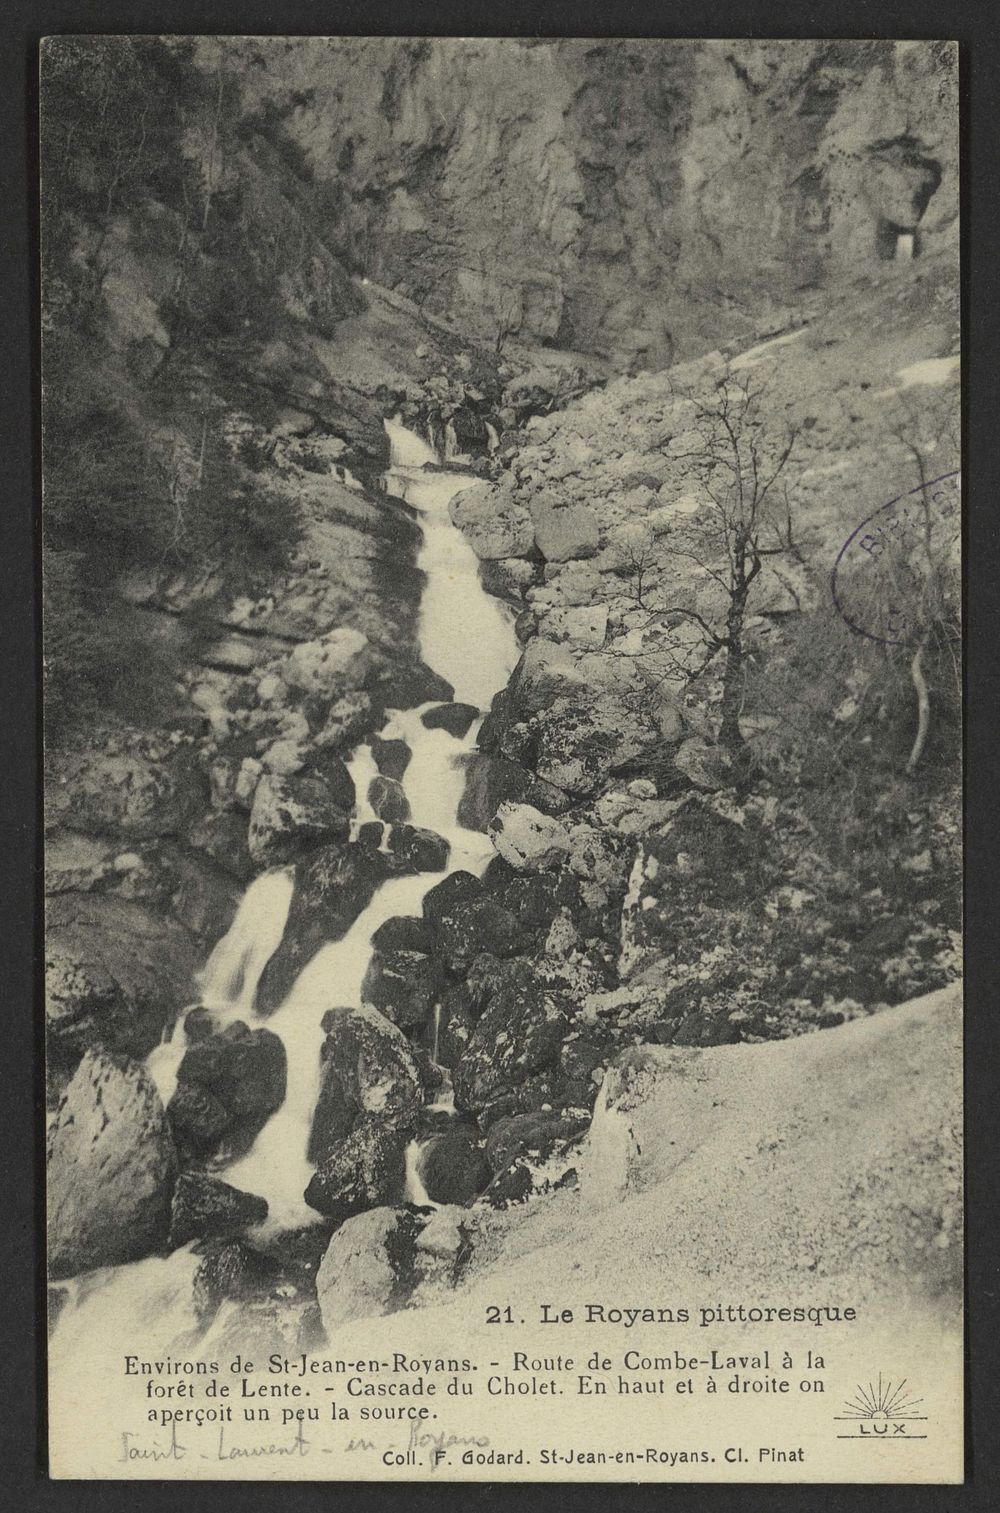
468,638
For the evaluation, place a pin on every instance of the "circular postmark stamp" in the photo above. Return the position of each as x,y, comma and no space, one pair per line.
889,569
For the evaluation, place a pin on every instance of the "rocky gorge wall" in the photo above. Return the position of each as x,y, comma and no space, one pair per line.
640,200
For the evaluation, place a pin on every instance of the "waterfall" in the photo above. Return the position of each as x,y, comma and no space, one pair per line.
452,452
414,1190
436,1041
232,974
904,246
468,638
492,438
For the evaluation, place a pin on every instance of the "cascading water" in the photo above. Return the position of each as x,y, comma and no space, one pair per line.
468,638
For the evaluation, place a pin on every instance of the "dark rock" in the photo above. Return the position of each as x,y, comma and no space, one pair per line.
204,898
456,1023
203,1206
55,1301
389,801
581,1054
111,1168
453,1167
456,719
494,780
457,888
414,850
331,889
404,985
116,975
223,837
491,978
199,1023
430,1074
534,898
299,1251
466,922
536,1134
198,1119
333,772
392,757
367,1067
364,1170
403,932
536,1092
244,1070
519,1033
235,1270
410,686
370,834
369,1267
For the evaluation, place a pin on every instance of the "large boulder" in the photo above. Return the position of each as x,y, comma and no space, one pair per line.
404,932
331,889
392,756
292,814
330,666
388,799
493,780
452,1167
204,1207
336,777
529,840
111,1168
466,921
578,742
205,896
534,898
408,685
565,533
456,719
243,1072
116,975
198,1119
492,521
368,1268
363,1170
367,1068
411,849
404,985
520,1032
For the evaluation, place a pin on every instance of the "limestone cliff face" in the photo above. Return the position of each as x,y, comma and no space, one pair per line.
638,199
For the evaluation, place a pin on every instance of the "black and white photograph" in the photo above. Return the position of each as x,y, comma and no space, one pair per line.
502,619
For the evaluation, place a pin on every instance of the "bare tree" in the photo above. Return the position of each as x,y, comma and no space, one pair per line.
735,459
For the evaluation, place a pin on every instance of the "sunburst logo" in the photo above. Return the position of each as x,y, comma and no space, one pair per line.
883,1410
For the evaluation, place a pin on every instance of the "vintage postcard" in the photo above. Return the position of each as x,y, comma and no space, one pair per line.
502,527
